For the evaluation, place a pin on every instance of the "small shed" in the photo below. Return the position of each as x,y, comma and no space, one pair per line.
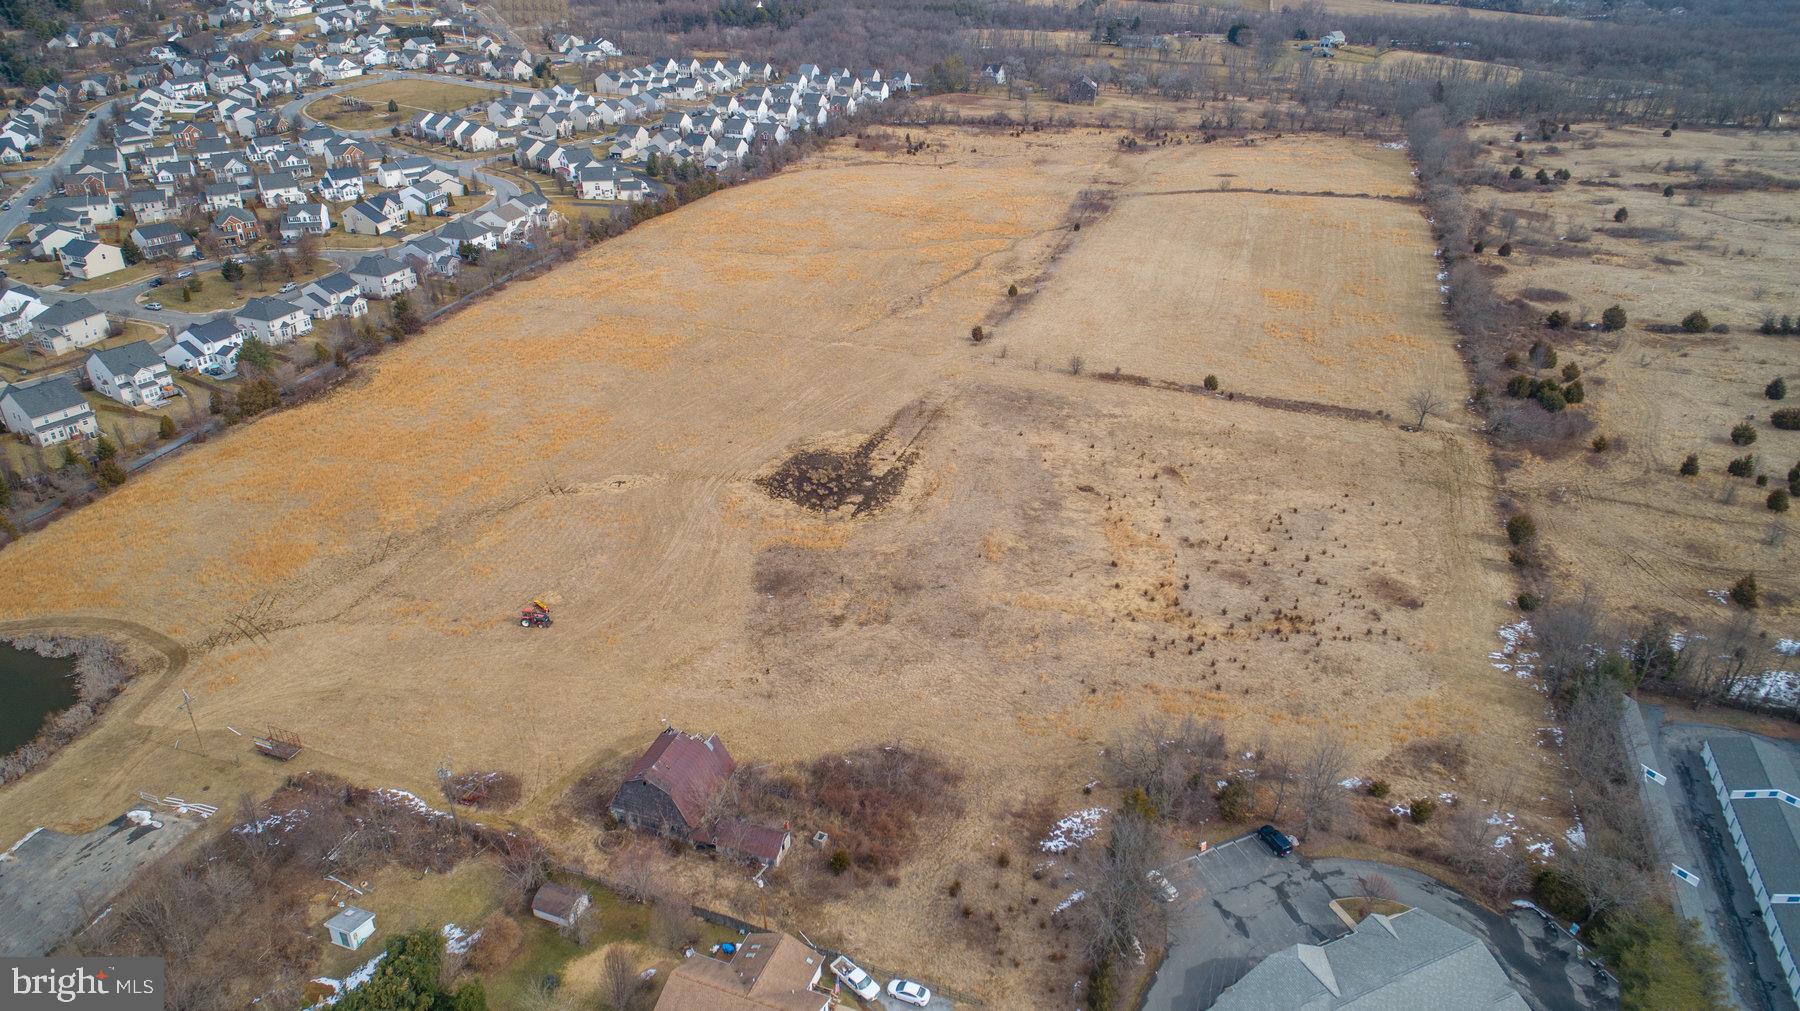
559,904
350,927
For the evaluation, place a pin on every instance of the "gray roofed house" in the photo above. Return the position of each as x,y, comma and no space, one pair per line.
1758,787
349,927
66,326
49,412
1408,960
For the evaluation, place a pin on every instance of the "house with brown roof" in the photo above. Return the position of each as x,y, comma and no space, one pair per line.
670,790
767,972
672,784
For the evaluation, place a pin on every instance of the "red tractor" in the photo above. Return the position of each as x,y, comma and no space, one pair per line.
535,616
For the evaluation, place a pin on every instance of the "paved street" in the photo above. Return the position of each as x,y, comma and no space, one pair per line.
1727,908
1239,904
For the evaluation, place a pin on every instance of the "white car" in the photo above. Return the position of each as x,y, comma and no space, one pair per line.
1164,890
860,983
290,286
153,306
906,991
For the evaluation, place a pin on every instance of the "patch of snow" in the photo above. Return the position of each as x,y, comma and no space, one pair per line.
1395,145
286,822
1514,657
1501,842
1788,647
363,974
8,855
1403,810
1576,835
1770,688
1354,783
1447,797
143,818
1071,831
1545,849
1075,896
457,941
1718,596
410,801
1556,734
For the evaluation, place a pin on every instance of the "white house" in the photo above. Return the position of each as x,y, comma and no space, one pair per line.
211,346
274,320
133,374
383,277
334,295
341,184
349,927
19,306
49,412
87,259
66,326
304,219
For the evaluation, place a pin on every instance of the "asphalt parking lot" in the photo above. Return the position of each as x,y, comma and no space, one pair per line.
52,885
1239,903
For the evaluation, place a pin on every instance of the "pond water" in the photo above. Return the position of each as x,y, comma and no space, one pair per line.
32,689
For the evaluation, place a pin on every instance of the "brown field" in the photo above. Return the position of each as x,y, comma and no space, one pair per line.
1067,554
413,97
1645,539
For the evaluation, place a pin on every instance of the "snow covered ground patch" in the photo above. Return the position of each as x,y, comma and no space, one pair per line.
363,974
1514,656
1070,831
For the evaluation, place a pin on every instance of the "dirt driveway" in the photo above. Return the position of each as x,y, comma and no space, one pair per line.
1239,904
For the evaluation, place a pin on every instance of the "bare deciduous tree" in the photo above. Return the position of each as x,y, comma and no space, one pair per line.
1119,910
1320,770
1424,402
619,979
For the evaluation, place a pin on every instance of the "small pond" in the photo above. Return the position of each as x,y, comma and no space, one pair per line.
32,689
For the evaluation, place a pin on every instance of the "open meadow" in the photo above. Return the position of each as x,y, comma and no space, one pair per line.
1061,551
1626,523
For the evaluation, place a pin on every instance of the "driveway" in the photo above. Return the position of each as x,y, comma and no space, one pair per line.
1727,908
1239,903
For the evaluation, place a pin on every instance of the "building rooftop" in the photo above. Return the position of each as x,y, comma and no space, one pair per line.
1771,825
1408,960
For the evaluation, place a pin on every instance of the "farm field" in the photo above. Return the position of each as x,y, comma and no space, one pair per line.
1068,552
1644,539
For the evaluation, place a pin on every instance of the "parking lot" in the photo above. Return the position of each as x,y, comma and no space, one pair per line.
52,885
1238,903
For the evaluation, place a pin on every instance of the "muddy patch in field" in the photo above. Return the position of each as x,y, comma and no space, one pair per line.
859,478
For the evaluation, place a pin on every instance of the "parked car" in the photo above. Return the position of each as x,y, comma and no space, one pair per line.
185,272
1164,890
1276,840
860,983
290,286
153,306
908,992
155,282
5,205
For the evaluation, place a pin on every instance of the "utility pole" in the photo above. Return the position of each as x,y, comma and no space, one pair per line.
187,703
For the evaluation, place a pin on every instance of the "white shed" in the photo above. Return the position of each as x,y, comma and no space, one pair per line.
350,927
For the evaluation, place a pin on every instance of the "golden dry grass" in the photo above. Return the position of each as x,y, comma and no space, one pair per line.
592,437
1645,540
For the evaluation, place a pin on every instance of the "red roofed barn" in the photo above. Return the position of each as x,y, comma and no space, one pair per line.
669,788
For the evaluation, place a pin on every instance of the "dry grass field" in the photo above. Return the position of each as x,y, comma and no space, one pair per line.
1645,539
1068,553
412,96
